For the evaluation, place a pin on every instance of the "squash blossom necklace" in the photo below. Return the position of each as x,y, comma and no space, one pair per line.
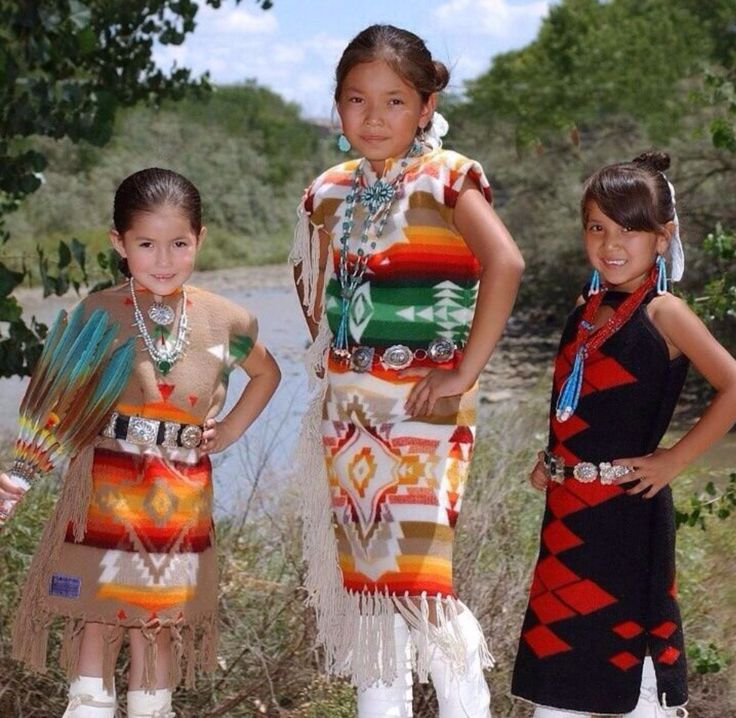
163,357
377,199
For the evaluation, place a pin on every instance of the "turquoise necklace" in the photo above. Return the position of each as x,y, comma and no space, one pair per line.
377,199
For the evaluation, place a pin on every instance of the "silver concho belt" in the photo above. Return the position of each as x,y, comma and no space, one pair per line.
152,432
400,356
584,471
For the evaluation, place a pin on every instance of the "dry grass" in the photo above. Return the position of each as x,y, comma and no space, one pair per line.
270,665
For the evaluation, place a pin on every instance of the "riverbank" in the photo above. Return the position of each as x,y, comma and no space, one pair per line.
518,373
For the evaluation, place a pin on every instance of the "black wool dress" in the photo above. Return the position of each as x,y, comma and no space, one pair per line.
603,592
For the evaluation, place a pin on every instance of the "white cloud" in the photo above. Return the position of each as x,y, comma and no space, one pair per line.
497,19
296,56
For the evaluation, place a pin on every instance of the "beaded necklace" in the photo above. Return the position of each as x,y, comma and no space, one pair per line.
587,340
163,357
377,199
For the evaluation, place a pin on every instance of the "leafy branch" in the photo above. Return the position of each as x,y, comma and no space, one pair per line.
710,502
66,67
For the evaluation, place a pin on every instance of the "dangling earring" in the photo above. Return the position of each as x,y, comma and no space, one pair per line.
343,143
595,283
661,275
418,142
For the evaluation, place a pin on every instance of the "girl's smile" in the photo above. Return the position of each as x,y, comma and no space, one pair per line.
160,246
380,112
622,256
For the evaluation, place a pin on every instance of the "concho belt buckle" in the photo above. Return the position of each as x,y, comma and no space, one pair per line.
585,472
142,432
191,436
397,356
171,433
555,466
361,358
609,472
441,350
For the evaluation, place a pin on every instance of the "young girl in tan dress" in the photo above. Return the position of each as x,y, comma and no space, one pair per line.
130,548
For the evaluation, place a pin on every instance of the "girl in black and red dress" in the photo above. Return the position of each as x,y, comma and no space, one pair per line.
602,633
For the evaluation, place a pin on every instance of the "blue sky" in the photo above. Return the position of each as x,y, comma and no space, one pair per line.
293,48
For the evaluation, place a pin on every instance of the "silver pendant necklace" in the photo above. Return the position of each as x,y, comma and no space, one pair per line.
160,313
163,357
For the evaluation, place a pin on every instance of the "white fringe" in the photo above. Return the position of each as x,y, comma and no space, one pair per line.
305,254
356,629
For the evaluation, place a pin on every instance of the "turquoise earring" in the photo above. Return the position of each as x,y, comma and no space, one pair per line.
595,283
343,143
661,275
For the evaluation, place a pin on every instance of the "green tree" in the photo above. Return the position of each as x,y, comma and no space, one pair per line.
66,66
593,59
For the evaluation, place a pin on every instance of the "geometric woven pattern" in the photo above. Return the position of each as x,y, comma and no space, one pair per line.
602,594
396,485
397,482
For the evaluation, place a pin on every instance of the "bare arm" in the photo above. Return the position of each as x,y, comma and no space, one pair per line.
501,269
684,332
265,376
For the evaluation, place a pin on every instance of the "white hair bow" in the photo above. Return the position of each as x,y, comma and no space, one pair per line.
675,253
437,130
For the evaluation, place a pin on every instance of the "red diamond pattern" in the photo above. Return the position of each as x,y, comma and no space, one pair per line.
669,655
627,629
544,642
624,660
549,608
561,502
664,629
558,538
604,373
537,586
564,430
586,596
553,573
593,493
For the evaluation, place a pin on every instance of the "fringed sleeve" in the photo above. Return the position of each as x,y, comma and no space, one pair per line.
305,254
305,251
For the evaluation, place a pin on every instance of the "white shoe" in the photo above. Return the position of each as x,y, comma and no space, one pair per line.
541,712
89,699
648,705
391,701
150,704
466,695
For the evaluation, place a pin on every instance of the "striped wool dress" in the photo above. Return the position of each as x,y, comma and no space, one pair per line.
383,490
131,543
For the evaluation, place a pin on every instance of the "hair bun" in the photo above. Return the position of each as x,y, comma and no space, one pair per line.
657,161
442,75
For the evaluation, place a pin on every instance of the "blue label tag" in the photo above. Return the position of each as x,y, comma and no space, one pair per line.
65,586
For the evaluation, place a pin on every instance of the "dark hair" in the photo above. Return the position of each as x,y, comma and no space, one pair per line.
153,187
403,51
633,194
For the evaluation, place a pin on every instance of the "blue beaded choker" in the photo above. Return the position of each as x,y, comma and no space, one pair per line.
377,199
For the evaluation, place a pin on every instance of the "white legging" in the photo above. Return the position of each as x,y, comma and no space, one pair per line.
647,707
465,696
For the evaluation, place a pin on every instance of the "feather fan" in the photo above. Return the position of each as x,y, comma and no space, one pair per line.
71,392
